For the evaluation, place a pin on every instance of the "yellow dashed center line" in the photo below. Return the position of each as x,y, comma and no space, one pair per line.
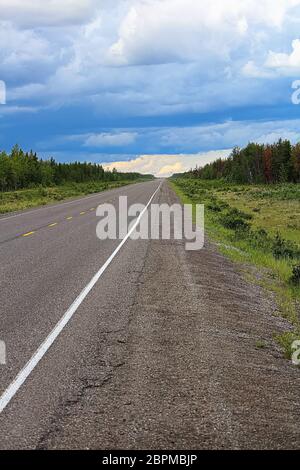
56,223
28,234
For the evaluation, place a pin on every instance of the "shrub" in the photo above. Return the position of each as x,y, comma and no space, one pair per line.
260,239
284,249
241,214
44,192
235,219
295,278
234,222
214,207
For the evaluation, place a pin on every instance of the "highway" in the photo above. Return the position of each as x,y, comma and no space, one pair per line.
48,256
158,352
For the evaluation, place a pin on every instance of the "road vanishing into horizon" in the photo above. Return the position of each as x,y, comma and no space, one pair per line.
134,345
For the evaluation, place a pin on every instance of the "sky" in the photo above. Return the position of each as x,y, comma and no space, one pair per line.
148,85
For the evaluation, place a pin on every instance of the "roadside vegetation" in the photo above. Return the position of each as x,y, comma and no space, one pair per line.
27,181
255,224
28,198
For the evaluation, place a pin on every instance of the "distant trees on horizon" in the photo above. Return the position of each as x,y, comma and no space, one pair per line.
256,163
21,170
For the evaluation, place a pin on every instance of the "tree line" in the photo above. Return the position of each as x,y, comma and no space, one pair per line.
256,163
21,170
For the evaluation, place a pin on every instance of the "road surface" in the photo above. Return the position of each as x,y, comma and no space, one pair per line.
160,353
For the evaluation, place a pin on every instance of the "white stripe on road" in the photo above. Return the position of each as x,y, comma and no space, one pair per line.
40,353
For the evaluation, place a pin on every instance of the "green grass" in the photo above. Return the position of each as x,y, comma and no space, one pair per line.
260,344
260,226
28,198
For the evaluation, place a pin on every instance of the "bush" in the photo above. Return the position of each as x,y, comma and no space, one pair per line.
44,192
295,278
260,239
234,222
284,249
235,219
214,207
241,214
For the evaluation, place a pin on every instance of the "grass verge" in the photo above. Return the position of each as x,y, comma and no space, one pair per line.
258,226
41,196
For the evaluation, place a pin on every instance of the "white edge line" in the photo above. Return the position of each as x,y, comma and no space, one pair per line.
13,388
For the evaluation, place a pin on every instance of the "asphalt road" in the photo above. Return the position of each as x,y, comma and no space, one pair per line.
161,354
48,256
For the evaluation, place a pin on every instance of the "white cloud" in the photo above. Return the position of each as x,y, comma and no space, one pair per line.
166,165
110,140
200,47
27,91
278,60
274,136
161,31
28,13
103,139
276,63
253,71
228,134
7,110
180,140
18,47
